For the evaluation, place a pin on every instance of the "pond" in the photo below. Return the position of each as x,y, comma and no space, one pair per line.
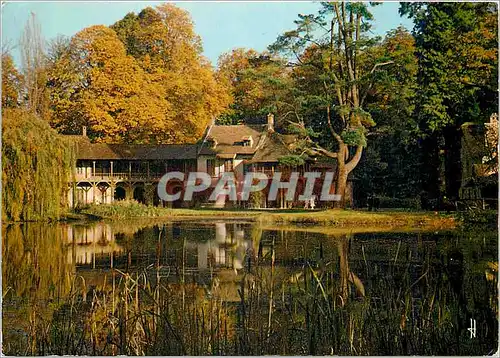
218,287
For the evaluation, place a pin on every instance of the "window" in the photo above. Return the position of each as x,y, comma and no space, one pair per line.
247,141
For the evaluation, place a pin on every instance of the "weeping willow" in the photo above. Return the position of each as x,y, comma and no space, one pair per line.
36,167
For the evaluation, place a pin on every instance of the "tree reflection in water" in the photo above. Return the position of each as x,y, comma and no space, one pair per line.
200,288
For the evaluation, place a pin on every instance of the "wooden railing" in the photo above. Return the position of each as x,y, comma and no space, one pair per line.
117,176
128,176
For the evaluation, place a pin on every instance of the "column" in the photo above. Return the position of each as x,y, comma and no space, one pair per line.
93,193
112,188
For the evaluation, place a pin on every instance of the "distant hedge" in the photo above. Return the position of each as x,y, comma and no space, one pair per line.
36,168
398,203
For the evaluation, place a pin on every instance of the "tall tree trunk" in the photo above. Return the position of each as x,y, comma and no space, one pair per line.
344,168
341,186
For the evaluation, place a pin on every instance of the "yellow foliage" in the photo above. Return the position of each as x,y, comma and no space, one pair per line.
11,82
165,46
143,80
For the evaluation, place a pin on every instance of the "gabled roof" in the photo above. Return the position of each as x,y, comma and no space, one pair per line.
230,139
102,151
272,149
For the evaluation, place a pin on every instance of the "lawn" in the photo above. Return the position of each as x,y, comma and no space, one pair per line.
300,217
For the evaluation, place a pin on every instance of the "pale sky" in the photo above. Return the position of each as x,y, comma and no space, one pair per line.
221,25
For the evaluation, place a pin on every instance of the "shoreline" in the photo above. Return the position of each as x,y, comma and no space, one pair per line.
327,218
304,219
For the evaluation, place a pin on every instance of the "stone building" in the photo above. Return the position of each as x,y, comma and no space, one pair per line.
479,158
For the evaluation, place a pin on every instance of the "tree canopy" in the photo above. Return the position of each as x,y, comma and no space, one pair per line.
390,106
337,68
163,43
258,82
142,80
11,83
95,83
457,50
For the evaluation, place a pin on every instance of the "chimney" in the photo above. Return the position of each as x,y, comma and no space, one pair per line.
270,122
84,131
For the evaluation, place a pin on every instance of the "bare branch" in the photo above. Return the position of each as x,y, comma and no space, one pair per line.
380,65
377,65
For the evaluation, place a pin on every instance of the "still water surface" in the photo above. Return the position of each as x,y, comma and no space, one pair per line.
232,287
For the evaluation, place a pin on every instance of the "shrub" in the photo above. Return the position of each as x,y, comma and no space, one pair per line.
392,203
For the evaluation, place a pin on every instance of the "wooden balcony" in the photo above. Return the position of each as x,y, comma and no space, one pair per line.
117,177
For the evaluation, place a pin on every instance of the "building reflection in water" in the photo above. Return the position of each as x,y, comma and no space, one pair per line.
90,242
194,248
227,250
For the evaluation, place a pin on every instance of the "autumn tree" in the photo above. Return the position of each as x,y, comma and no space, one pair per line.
11,82
95,83
258,83
163,42
335,71
457,49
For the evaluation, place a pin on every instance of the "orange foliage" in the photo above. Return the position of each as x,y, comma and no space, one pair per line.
143,80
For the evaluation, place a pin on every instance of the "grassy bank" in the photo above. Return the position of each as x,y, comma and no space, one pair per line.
335,218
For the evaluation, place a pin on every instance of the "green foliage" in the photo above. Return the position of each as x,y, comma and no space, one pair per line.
354,137
457,48
291,160
124,209
477,218
391,160
36,168
396,203
258,83
302,132
328,98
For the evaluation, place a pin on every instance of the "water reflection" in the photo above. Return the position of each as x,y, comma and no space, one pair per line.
233,287
194,246
88,242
